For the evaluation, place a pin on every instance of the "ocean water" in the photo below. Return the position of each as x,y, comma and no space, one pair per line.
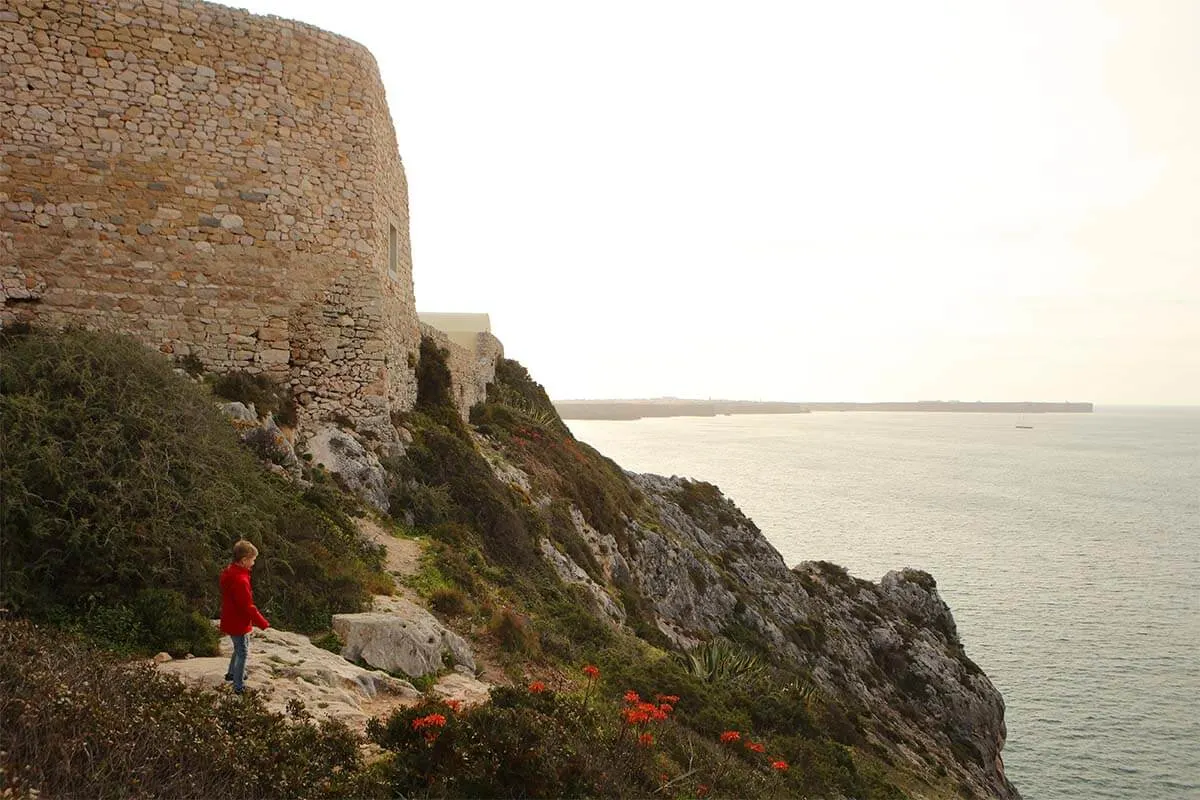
1069,554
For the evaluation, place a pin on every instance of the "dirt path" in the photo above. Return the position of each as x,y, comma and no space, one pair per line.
402,558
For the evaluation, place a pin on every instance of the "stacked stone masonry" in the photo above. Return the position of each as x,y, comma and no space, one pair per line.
220,185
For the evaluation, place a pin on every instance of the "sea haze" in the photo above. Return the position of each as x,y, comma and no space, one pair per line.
1069,553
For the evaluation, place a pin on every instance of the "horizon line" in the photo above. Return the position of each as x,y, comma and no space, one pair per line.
672,398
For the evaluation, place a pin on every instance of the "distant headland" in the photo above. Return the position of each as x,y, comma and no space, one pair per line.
676,407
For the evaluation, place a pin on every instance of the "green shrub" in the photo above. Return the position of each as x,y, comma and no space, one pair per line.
120,476
450,601
519,745
513,631
571,627
443,459
168,620
435,388
78,723
430,506
190,364
516,415
328,641
704,501
267,445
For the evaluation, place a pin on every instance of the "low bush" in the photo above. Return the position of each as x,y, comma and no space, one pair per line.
267,445
519,745
451,601
536,742
120,477
78,723
328,641
513,631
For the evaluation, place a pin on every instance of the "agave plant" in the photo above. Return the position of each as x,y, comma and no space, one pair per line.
799,690
722,661
546,418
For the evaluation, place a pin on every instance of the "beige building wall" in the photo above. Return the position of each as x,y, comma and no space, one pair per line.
460,328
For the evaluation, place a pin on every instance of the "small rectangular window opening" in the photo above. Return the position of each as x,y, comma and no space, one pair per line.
392,250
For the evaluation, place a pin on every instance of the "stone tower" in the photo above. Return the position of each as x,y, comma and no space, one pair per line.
218,184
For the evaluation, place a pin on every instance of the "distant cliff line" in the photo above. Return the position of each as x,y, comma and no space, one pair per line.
672,407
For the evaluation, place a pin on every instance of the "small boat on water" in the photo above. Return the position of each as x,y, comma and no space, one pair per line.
1025,427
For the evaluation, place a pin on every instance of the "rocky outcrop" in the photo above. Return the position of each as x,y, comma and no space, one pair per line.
572,574
264,438
888,652
343,455
400,636
286,666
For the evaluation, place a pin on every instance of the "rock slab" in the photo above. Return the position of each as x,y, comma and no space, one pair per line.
400,636
287,666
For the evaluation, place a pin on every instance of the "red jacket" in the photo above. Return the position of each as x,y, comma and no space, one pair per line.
238,614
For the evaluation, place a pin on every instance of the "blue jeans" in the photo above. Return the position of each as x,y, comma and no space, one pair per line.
237,664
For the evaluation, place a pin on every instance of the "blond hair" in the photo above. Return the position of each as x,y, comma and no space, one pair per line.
243,549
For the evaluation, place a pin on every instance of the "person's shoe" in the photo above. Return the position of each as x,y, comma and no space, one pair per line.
239,691
228,677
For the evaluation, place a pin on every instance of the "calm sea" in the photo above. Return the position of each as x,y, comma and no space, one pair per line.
1069,553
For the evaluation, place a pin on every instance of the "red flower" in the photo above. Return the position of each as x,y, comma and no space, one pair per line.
537,687
635,716
730,736
454,705
702,790
757,747
646,740
779,765
667,698
632,697
592,671
429,721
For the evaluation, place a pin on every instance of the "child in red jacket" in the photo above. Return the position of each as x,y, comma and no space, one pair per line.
238,614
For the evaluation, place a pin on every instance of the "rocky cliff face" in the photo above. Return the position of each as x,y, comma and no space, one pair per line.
677,563
888,651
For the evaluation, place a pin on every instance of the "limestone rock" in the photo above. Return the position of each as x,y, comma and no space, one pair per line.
914,592
466,689
285,451
400,636
381,435
286,666
343,455
239,412
572,573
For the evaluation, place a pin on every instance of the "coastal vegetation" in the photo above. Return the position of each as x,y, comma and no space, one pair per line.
123,487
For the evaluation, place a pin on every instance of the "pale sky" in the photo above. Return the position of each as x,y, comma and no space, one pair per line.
806,200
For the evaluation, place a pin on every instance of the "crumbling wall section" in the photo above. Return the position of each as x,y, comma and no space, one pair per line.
471,370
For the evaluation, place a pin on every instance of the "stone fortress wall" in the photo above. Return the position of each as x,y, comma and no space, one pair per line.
218,184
